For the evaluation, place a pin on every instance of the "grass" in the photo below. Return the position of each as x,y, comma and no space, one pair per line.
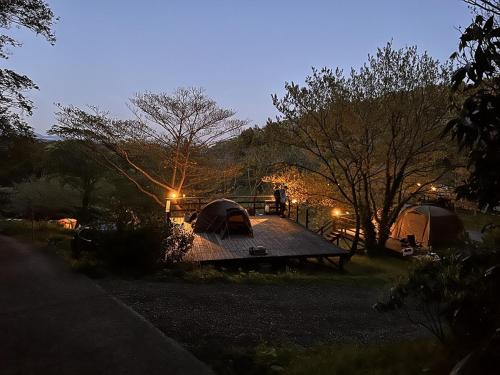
38,231
49,235
361,270
478,221
395,358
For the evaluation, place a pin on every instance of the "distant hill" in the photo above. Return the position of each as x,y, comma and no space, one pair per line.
47,138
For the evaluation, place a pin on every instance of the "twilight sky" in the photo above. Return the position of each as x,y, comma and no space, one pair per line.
240,51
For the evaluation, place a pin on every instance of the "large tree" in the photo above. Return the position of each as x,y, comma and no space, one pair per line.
372,135
159,150
74,165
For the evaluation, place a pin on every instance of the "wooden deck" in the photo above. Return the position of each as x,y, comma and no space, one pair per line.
281,237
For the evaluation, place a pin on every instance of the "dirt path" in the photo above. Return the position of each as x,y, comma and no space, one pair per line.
235,314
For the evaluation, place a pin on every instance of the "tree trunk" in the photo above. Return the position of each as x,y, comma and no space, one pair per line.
383,234
369,231
84,215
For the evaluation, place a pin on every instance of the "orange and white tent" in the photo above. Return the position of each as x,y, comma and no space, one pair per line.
431,225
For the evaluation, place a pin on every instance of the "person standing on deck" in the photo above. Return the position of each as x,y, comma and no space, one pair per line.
277,198
282,200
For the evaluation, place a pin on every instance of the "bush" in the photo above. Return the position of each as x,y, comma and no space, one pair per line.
176,245
130,248
143,248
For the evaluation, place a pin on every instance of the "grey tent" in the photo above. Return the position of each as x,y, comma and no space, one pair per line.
225,217
427,226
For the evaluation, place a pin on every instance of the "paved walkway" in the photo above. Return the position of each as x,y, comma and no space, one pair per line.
53,321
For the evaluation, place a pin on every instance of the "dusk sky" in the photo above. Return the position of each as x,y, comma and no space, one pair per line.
241,52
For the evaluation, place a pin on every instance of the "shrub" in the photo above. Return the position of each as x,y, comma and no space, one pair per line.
177,244
132,248
141,248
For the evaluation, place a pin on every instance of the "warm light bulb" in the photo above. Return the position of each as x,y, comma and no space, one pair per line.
433,188
336,212
173,195
294,201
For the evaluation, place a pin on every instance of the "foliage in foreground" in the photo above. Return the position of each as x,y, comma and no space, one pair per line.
458,297
477,125
414,357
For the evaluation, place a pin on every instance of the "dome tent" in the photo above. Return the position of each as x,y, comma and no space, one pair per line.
225,217
430,226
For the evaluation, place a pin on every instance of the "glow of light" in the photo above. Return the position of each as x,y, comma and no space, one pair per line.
336,212
419,184
173,195
183,195
433,188
294,201
347,212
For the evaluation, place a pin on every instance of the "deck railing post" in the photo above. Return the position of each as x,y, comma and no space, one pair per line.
307,218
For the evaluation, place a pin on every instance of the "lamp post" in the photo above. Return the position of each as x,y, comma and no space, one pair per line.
168,202
167,209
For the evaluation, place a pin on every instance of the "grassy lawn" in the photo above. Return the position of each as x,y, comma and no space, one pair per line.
362,270
478,221
409,357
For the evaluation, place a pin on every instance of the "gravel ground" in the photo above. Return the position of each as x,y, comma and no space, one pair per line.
242,314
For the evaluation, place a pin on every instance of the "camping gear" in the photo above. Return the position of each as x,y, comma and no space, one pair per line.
425,226
225,217
257,251
407,251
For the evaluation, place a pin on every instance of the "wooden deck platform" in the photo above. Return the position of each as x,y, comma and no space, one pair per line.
281,237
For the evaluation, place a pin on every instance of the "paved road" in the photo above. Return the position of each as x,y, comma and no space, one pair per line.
53,321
